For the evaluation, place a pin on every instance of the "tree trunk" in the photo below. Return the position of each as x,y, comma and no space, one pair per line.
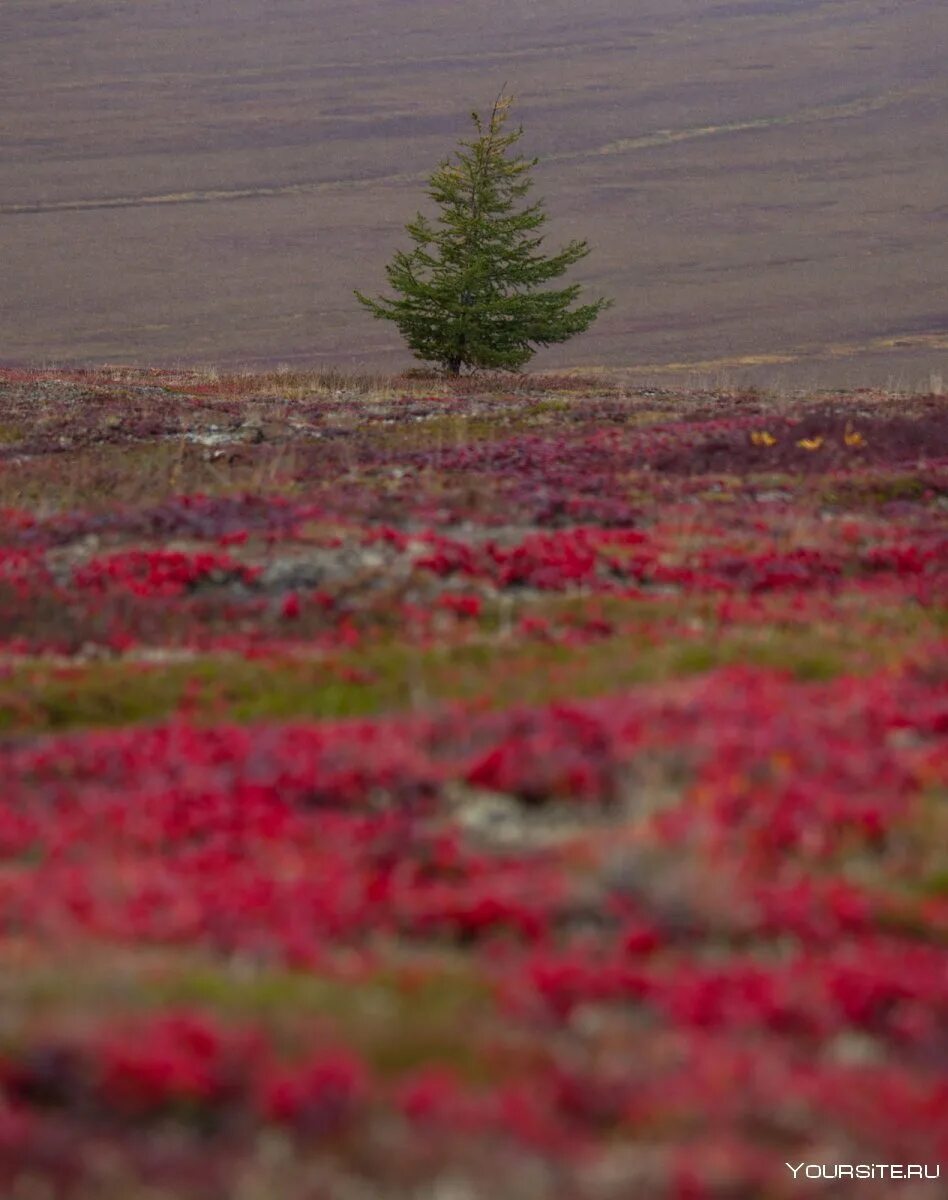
454,366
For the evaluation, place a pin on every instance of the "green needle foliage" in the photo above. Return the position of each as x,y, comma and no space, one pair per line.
470,293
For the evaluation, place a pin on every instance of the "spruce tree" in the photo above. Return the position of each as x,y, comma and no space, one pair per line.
470,293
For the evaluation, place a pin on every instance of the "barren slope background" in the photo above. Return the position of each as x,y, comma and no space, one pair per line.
763,181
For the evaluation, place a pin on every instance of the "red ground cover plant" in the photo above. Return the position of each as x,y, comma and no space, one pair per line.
625,876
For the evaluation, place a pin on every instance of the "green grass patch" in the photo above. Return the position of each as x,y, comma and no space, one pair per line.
398,1017
497,666
875,491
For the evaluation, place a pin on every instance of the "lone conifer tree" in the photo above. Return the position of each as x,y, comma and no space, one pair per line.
470,292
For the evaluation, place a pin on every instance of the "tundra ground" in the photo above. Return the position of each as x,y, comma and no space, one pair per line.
530,788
